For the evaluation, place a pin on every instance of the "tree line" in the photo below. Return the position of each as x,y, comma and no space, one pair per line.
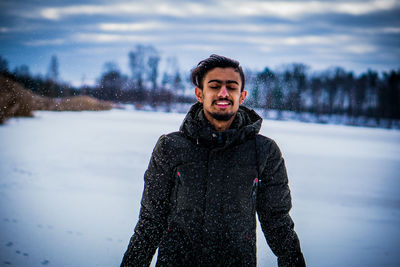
333,91
290,88
142,86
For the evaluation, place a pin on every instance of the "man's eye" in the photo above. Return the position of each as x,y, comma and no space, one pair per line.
214,87
231,88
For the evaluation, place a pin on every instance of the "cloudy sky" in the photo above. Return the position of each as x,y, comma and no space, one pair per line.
85,34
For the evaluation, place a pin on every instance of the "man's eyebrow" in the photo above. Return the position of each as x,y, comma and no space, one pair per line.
219,81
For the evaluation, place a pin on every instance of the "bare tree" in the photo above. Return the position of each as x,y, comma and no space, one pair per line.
53,72
153,62
111,82
3,65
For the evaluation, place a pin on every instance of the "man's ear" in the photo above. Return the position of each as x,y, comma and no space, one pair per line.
199,94
242,96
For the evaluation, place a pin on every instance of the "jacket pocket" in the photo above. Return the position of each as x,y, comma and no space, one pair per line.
190,186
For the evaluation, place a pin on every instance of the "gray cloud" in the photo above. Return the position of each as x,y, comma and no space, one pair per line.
354,34
289,10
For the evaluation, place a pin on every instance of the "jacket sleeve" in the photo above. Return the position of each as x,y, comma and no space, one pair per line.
273,206
155,206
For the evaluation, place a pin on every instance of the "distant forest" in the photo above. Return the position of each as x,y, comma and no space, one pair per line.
335,91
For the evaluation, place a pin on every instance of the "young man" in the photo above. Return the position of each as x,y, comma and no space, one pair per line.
205,184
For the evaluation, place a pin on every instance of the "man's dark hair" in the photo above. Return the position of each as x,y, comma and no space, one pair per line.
214,61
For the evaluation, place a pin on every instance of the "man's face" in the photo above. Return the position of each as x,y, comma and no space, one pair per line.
221,94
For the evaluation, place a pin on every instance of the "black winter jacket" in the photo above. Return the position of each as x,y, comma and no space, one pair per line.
202,191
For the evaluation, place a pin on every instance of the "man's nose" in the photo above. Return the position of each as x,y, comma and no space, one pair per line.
223,92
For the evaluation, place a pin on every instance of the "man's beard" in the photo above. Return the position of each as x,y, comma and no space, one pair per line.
222,116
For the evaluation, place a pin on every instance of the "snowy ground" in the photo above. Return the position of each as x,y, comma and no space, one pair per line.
70,186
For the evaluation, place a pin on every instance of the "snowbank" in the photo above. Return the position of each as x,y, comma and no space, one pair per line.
70,186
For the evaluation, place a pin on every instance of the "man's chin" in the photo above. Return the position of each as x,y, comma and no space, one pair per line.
222,116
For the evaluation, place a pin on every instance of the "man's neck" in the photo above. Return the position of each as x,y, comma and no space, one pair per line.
219,126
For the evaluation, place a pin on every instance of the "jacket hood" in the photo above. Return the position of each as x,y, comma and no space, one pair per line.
195,126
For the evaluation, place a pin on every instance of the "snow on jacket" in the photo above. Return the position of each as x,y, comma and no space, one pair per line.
202,191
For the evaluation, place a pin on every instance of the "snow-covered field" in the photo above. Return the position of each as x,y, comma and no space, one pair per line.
70,186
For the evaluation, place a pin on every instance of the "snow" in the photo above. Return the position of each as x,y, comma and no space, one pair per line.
71,183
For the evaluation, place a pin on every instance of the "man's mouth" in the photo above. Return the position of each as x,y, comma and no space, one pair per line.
223,103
